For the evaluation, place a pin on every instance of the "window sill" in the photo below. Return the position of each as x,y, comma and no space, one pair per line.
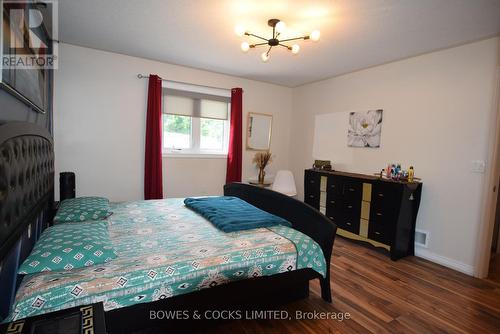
195,155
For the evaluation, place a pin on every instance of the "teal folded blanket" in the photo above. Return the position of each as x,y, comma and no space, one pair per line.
231,214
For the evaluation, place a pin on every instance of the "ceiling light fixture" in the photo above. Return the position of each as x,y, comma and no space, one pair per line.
278,28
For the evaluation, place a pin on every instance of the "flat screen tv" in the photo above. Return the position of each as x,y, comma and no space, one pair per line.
30,84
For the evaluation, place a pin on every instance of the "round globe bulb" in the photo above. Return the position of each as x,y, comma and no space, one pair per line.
315,35
295,49
239,30
264,56
280,26
245,46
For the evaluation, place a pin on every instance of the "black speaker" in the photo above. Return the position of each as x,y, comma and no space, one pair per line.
66,185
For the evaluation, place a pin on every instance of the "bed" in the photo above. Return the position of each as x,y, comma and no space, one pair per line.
169,257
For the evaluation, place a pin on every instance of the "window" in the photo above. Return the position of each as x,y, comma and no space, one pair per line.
195,123
176,131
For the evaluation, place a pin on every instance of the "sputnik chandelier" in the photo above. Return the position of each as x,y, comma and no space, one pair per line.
278,28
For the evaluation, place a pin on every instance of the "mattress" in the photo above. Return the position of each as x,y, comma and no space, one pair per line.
164,249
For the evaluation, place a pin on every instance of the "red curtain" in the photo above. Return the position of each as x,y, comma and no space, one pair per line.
234,157
153,181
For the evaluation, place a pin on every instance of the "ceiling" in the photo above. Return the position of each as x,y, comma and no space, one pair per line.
355,34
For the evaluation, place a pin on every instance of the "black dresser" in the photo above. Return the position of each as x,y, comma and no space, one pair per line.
366,208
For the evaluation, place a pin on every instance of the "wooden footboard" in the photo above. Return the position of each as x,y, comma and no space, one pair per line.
302,216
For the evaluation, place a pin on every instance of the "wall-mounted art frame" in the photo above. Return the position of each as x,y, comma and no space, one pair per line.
365,128
259,131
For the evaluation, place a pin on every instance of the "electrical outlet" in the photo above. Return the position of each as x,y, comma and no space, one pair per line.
478,166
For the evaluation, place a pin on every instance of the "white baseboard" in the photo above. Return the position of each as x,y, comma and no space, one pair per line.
444,261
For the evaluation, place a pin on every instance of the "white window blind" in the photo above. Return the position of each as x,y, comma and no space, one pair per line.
194,104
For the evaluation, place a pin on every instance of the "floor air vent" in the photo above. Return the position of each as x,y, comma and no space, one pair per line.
421,238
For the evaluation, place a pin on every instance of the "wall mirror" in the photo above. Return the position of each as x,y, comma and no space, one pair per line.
259,128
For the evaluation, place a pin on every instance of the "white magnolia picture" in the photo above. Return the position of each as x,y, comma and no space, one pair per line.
365,128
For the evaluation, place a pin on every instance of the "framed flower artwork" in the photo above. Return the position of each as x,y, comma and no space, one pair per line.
365,128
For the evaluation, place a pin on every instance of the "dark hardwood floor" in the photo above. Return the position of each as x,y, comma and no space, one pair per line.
411,295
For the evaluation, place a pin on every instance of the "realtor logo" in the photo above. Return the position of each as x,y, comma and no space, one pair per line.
29,34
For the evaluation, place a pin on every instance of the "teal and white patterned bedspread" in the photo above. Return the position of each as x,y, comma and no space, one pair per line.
164,249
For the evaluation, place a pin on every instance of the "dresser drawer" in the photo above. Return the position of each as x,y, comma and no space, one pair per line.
312,181
352,209
342,208
380,233
386,194
343,221
333,204
312,198
333,216
353,190
385,203
334,186
384,216
349,224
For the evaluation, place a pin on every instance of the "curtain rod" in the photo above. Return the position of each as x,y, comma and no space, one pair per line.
142,76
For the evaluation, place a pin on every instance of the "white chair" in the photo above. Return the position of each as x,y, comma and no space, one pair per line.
284,183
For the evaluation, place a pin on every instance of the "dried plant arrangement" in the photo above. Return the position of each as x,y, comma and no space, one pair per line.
261,160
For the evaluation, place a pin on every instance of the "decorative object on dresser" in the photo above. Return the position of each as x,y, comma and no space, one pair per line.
81,319
322,164
365,128
377,211
261,160
395,172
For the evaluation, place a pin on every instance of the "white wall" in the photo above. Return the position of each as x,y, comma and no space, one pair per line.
437,109
99,122
193,177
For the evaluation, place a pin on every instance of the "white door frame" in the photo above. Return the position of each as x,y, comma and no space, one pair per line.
490,191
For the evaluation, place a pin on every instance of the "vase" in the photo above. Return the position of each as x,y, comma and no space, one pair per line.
262,175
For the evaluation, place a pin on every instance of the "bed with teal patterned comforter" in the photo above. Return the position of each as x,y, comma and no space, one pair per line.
163,250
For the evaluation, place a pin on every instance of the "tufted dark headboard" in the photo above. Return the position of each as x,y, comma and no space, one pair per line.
26,194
